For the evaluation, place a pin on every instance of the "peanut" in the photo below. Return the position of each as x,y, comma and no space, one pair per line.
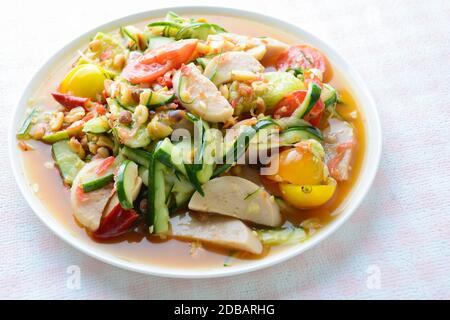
141,114
74,115
57,121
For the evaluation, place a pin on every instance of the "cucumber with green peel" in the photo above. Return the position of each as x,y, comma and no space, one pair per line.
329,96
296,134
203,61
169,155
172,157
23,132
126,181
96,125
67,161
312,96
241,144
198,30
182,191
139,156
56,136
165,28
157,212
139,140
97,183
158,98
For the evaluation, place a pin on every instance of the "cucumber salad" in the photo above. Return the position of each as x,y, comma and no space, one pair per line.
184,130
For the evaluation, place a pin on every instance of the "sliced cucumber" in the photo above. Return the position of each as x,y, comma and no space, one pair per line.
156,42
182,190
67,161
203,61
96,125
23,132
158,212
295,134
97,183
329,96
126,180
56,136
159,98
165,28
139,156
143,174
172,157
312,96
198,30
240,145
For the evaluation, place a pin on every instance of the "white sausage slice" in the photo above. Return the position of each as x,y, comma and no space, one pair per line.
199,95
221,231
220,67
88,207
237,197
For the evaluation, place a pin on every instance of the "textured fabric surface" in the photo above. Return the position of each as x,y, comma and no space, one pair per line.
397,244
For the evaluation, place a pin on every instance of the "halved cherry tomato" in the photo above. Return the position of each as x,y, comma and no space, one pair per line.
307,196
297,166
84,80
158,61
290,103
302,56
69,101
116,223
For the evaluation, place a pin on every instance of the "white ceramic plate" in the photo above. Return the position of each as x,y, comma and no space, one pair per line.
367,174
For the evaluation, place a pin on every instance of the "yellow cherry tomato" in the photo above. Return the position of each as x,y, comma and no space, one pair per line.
307,196
298,167
85,80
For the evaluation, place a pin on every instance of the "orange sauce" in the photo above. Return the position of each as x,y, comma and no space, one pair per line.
172,252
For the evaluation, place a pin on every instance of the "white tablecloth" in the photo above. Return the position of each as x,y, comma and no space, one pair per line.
397,244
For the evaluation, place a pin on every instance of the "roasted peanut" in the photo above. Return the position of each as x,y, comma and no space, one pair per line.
125,117
74,115
141,114
57,121
104,141
95,45
76,147
103,152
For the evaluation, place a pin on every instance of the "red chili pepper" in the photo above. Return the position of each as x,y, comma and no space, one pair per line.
116,223
70,101
105,165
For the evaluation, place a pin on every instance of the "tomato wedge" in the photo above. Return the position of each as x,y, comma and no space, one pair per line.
302,56
116,223
288,104
157,62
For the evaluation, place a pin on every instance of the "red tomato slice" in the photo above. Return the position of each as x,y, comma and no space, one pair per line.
116,223
302,56
157,62
290,103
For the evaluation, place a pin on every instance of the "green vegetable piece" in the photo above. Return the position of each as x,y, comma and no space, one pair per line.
282,236
67,161
23,132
